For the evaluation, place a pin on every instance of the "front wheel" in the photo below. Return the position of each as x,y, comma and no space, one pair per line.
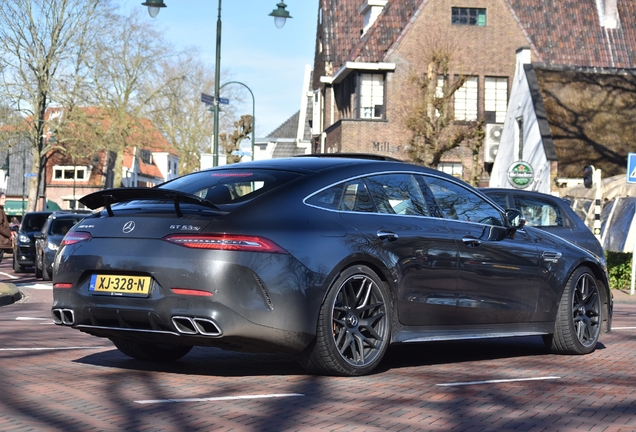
151,352
45,273
579,316
354,326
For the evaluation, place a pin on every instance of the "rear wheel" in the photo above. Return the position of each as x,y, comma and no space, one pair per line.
579,317
353,330
151,352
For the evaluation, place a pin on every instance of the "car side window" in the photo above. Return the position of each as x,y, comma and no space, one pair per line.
397,194
348,196
539,212
460,203
499,198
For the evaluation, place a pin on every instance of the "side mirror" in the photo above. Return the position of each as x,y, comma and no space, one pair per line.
515,219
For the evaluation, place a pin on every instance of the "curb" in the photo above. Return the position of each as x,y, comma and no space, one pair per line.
9,294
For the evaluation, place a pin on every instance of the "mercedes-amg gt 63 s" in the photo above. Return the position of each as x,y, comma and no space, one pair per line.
331,259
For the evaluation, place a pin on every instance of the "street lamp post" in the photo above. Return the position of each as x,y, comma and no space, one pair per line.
253,111
280,16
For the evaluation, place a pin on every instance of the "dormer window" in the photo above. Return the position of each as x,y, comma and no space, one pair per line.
468,16
371,9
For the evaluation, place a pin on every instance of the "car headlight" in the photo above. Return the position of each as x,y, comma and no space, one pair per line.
51,246
23,238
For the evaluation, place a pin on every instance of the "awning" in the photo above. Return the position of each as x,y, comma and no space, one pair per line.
14,207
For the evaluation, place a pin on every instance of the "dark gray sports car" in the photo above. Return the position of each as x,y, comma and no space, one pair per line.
330,258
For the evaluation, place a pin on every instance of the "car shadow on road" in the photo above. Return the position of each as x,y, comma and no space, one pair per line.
207,361
448,352
204,361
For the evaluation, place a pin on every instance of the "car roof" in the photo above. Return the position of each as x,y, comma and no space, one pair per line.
308,163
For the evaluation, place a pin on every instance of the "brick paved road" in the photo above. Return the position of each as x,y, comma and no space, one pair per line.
58,379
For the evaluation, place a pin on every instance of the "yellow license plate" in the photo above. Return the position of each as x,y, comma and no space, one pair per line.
120,285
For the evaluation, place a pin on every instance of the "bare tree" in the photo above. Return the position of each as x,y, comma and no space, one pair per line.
38,38
124,78
179,113
231,142
429,113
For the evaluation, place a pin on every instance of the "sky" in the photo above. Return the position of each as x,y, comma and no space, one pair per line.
268,60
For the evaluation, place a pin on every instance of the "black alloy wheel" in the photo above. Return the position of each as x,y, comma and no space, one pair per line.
579,317
353,328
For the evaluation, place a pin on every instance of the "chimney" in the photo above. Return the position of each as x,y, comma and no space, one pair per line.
371,9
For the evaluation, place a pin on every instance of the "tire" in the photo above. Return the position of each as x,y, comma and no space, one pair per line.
151,352
38,271
45,273
17,268
579,317
354,326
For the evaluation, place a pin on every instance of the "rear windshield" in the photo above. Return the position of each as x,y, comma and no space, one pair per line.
33,222
230,186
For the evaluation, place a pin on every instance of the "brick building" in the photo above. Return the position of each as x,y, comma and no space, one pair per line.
367,52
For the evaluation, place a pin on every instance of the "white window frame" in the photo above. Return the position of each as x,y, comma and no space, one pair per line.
466,100
496,97
456,169
371,95
73,170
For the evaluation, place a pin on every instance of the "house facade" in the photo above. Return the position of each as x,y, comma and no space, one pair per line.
368,52
147,165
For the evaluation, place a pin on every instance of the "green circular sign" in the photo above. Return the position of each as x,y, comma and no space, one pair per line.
520,174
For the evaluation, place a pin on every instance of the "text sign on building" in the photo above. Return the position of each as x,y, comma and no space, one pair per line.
631,168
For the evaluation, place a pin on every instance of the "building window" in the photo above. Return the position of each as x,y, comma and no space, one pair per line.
145,156
495,99
71,204
371,92
466,101
69,173
453,168
468,16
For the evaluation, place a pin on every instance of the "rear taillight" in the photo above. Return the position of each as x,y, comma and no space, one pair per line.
62,285
225,242
191,292
75,237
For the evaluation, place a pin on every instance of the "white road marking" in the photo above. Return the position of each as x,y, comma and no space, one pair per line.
221,398
31,319
497,381
623,328
52,348
10,276
38,286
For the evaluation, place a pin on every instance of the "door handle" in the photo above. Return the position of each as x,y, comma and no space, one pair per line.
387,235
551,256
471,241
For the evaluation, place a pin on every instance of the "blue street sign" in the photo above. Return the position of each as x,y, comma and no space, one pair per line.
209,99
631,168
241,153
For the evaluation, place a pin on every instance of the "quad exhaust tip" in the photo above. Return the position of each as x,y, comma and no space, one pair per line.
193,326
63,317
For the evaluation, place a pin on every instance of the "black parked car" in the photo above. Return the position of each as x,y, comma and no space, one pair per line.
47,241
550,213
329,258
24,244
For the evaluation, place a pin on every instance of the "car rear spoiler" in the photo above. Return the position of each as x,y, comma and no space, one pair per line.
107,197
